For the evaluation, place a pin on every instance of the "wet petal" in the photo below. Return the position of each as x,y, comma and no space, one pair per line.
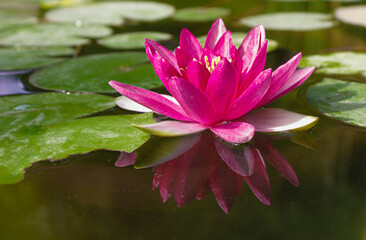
280,77
251,44
125,159
236,157
193,100
151,100
221,86
259,181
277,120
198,74
152,46
190,45
217,30
295,80
250,97
171,128
234,132
225,47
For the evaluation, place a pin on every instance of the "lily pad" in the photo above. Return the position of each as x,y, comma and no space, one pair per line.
22,59
354,15
200,14
45,35
133,40
112,13
92,73
344,101
337,63
13,13
290,21
238,37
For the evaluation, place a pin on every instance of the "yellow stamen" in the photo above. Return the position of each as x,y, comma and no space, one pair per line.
214,62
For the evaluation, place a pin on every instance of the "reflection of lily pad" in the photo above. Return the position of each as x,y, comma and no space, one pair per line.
290,21
344,101
133,40
200,14
26,115
340,63
238,37
354,15
92,73
51,34
23,59
111,12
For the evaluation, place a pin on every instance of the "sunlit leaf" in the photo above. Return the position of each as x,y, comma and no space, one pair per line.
200,14
238,37
42,35
133,40
344,101
22,59
340,63
111,13
290,21
92,73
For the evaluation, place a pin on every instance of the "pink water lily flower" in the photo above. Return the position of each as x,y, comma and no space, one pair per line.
218,87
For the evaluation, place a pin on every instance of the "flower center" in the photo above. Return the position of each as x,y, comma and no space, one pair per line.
214,62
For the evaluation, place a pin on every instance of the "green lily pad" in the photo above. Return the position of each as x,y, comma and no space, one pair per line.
22,59
111,13
200,14
344,101
238,37
354,15
13,13
92,73
133,40
290,21
24,116
45,35
337,63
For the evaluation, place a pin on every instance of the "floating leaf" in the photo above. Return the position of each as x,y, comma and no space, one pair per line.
133,40
42,35
92,73
344,101
354,15
112,13
290,21
200,14
24,116
337,63
22,59
238,37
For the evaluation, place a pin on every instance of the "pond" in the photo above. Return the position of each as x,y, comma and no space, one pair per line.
58,115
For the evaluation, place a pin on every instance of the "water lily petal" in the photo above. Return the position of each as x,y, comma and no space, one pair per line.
250,97
280,77
151,100
204,191
158,176
225,47
172,128
225,184
236,157
221,86
152,47
198,74
217,30
259,180
251,44
125,159
190,45
295,80
167,182
277,120
128,104
193,100
182,58
255,69
234,132
278,161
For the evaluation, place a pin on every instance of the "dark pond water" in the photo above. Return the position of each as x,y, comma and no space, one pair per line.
87,197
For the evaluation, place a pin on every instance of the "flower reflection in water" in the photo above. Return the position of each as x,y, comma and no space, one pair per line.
192,166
